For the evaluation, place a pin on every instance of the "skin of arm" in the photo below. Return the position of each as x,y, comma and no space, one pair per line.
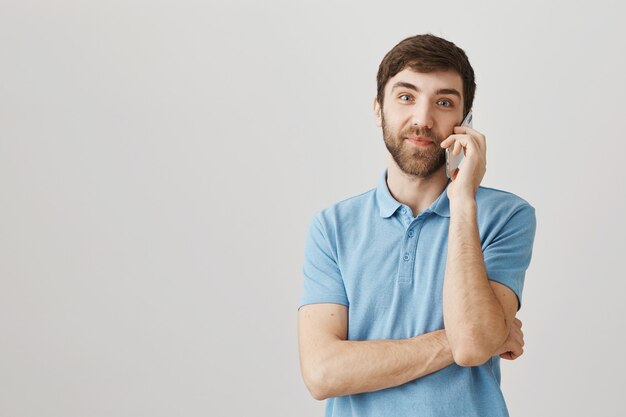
333,366
478,313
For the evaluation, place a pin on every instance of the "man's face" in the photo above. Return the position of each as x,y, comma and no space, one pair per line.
419,111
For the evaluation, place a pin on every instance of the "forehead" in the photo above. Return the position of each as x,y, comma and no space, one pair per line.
427,82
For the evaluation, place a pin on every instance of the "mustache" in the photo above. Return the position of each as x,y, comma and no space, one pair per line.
421,131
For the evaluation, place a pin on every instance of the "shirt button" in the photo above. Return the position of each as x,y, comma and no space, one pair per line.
411,233
403,210
406,257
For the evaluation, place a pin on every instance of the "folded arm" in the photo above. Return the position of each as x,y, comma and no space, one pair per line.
333,366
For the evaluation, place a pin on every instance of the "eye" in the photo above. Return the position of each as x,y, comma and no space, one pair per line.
445,103
405,97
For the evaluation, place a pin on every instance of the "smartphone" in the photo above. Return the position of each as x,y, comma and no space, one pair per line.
453,162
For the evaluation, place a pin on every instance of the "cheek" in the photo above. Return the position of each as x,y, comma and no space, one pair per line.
396,118
447,126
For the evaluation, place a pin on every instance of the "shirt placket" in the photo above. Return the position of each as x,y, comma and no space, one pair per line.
409,245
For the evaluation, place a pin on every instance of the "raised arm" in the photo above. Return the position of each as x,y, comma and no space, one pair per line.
478,313
333,366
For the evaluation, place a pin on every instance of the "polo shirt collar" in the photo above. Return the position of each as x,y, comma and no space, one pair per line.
388,205
441,205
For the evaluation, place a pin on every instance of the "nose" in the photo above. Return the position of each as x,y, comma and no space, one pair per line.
422,115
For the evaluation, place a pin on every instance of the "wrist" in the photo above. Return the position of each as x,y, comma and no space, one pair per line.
461,192
463,205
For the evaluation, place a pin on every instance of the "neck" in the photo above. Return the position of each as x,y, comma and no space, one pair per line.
416,192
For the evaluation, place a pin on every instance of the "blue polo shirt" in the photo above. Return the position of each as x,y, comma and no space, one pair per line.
370,254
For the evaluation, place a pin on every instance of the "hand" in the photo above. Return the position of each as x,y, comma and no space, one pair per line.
468,177
514,343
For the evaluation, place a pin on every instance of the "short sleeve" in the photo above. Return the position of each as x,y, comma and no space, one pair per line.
508,255
323,282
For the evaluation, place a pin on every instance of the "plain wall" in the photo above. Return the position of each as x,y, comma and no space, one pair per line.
160,161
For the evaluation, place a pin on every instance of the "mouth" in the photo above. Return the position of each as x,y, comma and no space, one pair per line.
419,140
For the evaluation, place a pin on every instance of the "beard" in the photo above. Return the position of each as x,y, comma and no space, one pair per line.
411,159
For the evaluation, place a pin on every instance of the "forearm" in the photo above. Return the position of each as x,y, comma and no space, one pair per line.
474,319
343,367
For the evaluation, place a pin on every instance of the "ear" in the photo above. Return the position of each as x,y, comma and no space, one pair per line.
378,113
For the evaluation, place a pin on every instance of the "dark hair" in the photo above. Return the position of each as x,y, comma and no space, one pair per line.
427,53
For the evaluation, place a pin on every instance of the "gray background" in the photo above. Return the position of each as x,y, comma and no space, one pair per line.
160,161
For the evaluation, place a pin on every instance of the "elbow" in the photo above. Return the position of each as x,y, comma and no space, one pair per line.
317,392
470,357
474,351
316,380
473,346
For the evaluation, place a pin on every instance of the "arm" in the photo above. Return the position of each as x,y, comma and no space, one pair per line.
333,366
478,313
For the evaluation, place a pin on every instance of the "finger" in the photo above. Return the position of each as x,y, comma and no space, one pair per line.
466,141
446,143
458,147
511,356
480,138
464,129
449,141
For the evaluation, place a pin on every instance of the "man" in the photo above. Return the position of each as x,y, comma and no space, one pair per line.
411,289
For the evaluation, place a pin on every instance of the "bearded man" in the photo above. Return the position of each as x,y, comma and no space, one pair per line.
411,289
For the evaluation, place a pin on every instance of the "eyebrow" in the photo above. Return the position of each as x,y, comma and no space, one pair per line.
402,84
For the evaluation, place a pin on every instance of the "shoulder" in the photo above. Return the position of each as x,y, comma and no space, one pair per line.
353,207
492,199
496,208
491,196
